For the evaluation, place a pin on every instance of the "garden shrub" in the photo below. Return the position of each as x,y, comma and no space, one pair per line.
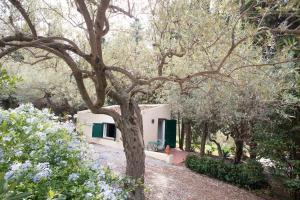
248,175
42,158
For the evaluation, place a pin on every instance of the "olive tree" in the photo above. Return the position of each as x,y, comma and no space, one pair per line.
180,34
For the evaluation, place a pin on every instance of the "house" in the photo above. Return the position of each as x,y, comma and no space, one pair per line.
157,125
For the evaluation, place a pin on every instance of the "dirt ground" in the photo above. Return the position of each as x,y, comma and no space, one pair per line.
170,182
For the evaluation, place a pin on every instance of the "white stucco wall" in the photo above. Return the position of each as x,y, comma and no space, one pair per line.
85,120
151,130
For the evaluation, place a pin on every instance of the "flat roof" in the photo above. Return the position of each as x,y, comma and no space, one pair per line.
117,107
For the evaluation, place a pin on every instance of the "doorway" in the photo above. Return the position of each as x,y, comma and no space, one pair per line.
161,131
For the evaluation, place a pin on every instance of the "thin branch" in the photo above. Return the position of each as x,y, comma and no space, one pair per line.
121,10
18,5
37,61
265,64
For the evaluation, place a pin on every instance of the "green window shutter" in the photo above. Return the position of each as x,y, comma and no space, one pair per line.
97,130
170,133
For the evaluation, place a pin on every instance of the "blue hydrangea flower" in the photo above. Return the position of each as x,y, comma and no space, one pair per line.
90,185
59,141
14,168
1,154
73,177
18,153
6,138
44,172
42,175
42,135
26,165
8,175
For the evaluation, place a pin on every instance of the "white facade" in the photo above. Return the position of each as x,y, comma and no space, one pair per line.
153,123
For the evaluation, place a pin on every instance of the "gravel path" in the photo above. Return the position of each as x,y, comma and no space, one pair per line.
169,182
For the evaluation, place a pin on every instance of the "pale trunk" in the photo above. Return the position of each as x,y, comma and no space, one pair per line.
181,139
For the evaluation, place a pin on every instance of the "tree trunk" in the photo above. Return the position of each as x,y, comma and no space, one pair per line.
203,139
181,138
220,152
239,145
132,133
188,138
178,127
252,151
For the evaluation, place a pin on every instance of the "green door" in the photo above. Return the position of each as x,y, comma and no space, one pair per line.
170,133
97,130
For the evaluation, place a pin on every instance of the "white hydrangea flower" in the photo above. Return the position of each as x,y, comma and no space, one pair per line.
267,162
88,195
63,163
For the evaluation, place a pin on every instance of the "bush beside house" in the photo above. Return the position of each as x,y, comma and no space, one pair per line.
248,175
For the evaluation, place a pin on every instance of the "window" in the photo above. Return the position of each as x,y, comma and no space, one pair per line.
109,130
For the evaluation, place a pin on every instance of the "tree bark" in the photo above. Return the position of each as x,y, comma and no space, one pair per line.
203,139
220,152
132,133
188,138
252,151
178,127
181,138
239,145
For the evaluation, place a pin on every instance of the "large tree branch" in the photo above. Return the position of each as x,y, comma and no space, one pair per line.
8,51
115,115
81,5
47,41
101,22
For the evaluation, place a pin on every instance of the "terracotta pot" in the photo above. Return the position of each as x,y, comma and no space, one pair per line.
168,150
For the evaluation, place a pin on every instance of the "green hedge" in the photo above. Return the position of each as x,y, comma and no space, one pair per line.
248,175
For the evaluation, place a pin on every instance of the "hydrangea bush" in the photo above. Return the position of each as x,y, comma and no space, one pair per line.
42,158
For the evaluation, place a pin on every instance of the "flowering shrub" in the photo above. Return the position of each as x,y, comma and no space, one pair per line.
42,158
